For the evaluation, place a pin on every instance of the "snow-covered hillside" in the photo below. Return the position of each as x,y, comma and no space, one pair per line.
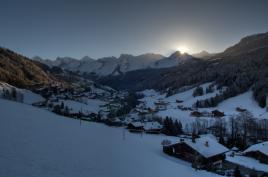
35,142
27,96
245,101
186,100
87,106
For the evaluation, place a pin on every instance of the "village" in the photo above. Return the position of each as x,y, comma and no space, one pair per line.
206,153
204,139
209,139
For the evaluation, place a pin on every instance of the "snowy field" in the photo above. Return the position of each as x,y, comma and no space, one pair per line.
35,142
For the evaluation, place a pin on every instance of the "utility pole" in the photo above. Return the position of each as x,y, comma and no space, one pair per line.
124,134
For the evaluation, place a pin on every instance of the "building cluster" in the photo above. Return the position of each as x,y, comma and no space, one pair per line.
206,153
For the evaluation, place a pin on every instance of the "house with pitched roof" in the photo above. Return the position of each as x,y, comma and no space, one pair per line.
258,151
203,152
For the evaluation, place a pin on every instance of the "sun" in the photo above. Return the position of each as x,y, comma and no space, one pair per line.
183,49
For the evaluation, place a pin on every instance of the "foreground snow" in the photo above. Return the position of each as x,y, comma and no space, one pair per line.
35,142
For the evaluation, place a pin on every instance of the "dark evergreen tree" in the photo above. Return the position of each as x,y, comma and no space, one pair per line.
62,105
237,172
14,94
177,128
79,115
57,109
221,140
66,111
198,91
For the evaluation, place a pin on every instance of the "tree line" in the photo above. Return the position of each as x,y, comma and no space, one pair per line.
12,94
239,130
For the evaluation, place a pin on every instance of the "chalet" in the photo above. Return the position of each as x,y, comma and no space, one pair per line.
135,127
204,152
161,105
179,101
238,109
181,107
235,149
258,151
142,111
87,117
196,114
152,127
113,122
217,113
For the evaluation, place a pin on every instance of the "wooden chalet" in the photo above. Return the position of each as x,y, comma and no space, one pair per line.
196,114
203,153
258,151
217,113
113,122
179,101
161,105
238,109
135,127
152,127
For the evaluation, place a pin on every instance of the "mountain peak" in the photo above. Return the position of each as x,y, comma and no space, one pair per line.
177,55
65,58
203,54
87,58
123,55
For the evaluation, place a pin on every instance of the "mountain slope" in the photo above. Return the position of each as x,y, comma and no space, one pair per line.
20,71
246,45
203,54
239,68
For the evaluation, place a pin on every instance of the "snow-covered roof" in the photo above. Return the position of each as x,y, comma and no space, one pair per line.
152,125
137,124
247,162
206,146
235,148
261,147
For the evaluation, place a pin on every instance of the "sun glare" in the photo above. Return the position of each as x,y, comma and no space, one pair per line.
183,49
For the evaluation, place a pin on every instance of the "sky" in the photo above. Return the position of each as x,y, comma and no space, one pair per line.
99,28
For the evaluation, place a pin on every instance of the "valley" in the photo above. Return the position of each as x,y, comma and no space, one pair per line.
135,107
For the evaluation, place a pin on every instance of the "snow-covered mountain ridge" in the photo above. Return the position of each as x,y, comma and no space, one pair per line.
115,66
